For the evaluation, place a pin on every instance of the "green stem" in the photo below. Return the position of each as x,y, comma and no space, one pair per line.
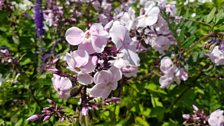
40,53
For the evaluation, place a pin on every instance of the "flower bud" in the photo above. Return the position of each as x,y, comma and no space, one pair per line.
46,118
33,118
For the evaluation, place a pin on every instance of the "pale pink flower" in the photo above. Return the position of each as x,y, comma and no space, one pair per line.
167,66
106,81
217,56
161,44
119,34
150,16
84,79
216,118
62,85
127,65
120,37
93,40
79,61
165,80
171,73
127,18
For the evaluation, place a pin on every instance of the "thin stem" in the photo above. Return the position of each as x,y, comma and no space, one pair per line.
40,53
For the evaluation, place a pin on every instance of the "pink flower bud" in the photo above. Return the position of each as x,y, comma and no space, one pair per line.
33,118
46,118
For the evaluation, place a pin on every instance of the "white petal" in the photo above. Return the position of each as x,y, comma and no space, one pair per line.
85,79
74,35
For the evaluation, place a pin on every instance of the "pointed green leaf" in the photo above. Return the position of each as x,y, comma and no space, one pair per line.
211,15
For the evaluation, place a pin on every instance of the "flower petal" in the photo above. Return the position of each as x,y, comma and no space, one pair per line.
74,35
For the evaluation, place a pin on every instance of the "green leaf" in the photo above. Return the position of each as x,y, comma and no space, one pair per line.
219,15
211,15
188,42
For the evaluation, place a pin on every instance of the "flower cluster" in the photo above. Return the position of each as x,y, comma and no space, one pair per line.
199,118
216,118
103,54
217,51
171,73
5,56
48,112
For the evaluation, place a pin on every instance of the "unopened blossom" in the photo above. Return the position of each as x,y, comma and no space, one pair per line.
34,117
105,81
217,56
62,85
171,9
216,118
150,16
93,40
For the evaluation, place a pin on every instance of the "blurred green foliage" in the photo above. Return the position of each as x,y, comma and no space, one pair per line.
143,102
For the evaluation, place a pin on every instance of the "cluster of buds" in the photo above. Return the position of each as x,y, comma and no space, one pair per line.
198,118
171,73
2,4
48,112
96,106
6,56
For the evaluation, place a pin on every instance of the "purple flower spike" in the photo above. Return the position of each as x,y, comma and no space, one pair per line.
39,18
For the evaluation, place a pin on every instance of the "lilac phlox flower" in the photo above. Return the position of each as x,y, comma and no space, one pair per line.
62,85
105,81
80,62
171,73
119,34
150,16
216,118
127,18
93,40
127,66
164,37
216,56
120,37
